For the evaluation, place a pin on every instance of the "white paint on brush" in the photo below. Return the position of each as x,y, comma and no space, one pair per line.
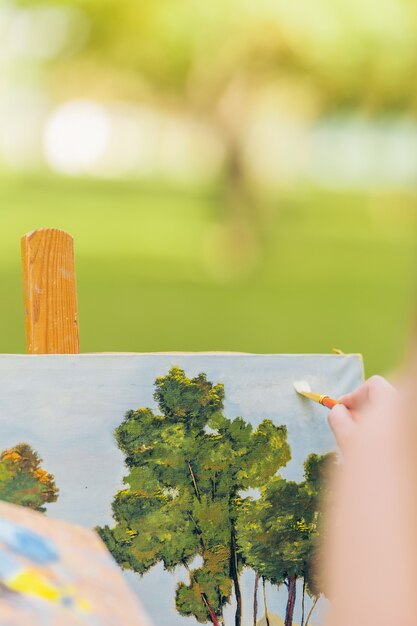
301,386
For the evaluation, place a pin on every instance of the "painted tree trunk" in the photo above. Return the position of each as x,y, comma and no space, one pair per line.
255,599
316,599
234,575
303,603
289,614
265,604
212,614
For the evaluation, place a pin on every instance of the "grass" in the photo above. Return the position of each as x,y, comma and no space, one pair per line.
333,270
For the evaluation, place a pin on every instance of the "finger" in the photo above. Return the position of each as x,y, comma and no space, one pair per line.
342,425
375,389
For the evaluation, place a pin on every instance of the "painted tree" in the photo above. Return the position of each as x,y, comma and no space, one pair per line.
279,531
273,536
187,467
23,481
317,472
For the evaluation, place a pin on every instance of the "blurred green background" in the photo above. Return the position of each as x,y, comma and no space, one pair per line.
237,176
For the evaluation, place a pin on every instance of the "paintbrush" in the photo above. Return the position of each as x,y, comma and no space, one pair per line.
303,388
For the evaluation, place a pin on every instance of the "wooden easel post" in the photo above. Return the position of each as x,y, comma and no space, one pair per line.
50,292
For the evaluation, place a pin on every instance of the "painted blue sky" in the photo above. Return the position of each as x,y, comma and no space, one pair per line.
67,408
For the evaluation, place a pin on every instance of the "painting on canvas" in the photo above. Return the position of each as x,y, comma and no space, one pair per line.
202,473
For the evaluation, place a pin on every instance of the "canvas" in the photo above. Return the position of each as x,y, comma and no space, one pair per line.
201,472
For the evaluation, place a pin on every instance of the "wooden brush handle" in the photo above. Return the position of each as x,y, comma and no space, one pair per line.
329,402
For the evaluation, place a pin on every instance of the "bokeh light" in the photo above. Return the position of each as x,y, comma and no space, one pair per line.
76,136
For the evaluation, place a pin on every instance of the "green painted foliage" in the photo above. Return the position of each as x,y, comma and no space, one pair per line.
278,534
22,479
187,468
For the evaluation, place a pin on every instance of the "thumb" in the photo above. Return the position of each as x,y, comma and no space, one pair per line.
342,424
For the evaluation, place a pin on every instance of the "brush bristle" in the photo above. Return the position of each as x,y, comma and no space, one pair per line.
301,386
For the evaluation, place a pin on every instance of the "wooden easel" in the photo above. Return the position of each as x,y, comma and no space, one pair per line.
50,292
